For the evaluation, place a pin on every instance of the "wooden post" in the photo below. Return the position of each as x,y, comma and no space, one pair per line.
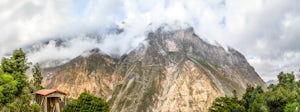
65,99
45,104
57,105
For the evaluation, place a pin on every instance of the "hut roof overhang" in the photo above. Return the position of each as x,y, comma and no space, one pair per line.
46,92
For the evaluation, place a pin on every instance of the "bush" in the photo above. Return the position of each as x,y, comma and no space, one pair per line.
88,103
35,107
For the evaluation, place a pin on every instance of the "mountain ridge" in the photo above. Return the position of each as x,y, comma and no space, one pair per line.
175,71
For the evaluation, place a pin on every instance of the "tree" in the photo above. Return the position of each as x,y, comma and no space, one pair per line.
14,87
37,77
281,97
250,95
87,102
16,64
226,104
258,104
286,79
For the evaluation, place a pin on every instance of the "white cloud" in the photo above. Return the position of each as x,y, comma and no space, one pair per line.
23,22
69,50
265,31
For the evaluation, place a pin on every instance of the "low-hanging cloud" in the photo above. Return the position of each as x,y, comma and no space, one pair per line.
265,31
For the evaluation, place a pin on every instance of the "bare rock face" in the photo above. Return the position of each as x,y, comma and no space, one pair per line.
94,73
176,71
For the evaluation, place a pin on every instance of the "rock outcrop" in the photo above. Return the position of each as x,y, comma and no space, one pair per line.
176,71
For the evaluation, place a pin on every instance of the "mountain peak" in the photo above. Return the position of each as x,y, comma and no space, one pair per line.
175,71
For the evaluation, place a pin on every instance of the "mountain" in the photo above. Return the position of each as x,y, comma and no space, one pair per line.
175,71
272,82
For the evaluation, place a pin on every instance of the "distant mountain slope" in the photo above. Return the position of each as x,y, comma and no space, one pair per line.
272,82
176,71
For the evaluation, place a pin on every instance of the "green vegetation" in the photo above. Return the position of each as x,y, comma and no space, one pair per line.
16,93
281,97
37,77
15,90
87,103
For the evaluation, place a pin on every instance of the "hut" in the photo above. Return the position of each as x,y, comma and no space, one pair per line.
50,100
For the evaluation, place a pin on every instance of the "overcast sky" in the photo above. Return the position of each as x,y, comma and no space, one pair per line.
267,32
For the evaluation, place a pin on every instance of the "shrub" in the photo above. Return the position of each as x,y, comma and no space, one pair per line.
88,103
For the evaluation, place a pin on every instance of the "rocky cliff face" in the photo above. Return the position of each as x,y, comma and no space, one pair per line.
176,71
